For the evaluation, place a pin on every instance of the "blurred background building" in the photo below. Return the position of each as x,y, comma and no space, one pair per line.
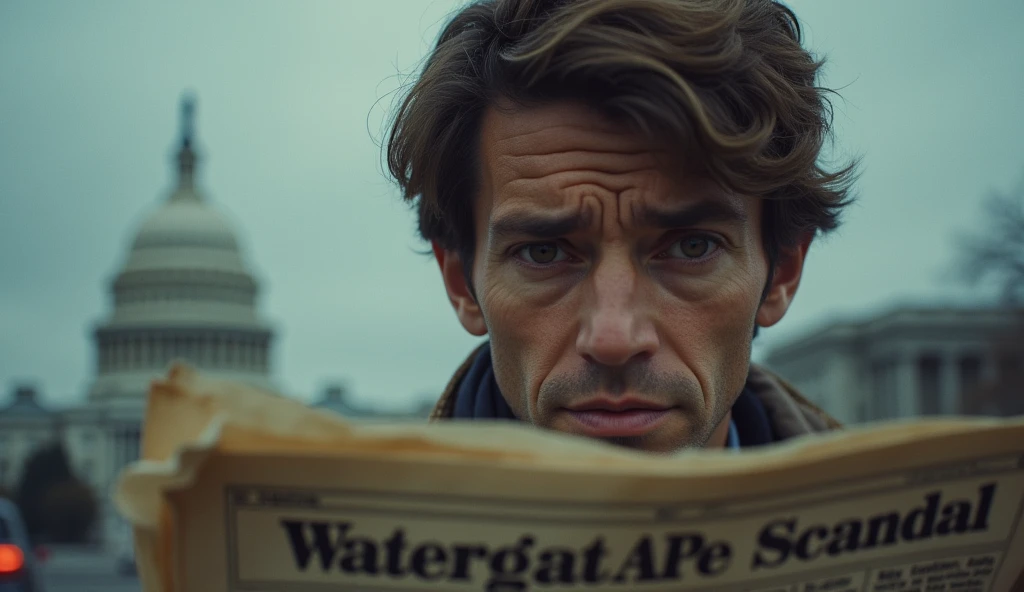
911,361
183,292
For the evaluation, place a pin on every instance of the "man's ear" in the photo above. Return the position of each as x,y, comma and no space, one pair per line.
789,267
459,294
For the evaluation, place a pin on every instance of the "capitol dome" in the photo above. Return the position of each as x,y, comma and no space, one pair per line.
186,232
184,292
186,222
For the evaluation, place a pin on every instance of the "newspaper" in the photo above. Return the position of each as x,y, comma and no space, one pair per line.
244,490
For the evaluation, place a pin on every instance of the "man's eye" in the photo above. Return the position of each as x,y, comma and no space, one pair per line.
542,253
692,247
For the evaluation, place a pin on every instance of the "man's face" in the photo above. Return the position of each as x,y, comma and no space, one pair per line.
619,298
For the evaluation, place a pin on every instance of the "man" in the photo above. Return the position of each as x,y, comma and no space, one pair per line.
618,193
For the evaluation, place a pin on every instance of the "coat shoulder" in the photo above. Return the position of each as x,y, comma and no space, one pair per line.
445,407
790,413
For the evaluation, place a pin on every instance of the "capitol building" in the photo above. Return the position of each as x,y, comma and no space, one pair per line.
183,292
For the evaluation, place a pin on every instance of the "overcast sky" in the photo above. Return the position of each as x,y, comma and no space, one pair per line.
291,96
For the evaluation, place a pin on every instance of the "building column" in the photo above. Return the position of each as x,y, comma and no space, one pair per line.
989,368
108,446
907,395
949,383
157,349
116,438
876,390
225,345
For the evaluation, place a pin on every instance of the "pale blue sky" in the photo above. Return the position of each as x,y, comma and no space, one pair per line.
287,120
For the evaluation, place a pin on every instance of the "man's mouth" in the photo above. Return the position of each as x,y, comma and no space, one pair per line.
610,418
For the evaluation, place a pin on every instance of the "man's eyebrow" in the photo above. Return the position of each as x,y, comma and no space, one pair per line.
524,224
700,213
539,226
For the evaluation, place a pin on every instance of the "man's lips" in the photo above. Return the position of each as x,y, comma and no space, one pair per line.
624,404
608,418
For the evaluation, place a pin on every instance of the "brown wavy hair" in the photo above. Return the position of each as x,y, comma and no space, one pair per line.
724,84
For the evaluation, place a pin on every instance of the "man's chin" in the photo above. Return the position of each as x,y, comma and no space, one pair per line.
641,443
650,444
668,434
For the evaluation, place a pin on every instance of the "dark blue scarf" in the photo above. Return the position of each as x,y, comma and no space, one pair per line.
478,396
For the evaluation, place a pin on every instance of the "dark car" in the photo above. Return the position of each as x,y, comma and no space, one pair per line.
18,572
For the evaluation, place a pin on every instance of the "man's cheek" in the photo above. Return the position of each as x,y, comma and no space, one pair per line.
515,313
511,324
732,328
717,331
511,327
527,344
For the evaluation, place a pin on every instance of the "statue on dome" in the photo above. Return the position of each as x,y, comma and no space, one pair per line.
188,110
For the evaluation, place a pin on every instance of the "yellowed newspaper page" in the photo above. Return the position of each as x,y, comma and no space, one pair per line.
241,504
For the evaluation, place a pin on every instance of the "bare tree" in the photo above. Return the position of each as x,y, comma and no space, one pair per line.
996,253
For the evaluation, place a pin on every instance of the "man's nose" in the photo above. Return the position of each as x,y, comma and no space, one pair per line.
615,324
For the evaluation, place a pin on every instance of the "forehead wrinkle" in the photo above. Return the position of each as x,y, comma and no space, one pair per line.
544,140
554,190
556,134
582,161
622,202
560,134
541,191
567,190
631,200
591,210
562,180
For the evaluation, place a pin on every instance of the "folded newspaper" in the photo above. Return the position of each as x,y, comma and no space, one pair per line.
244,490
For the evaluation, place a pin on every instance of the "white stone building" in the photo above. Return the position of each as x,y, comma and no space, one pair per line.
183,292
908,362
